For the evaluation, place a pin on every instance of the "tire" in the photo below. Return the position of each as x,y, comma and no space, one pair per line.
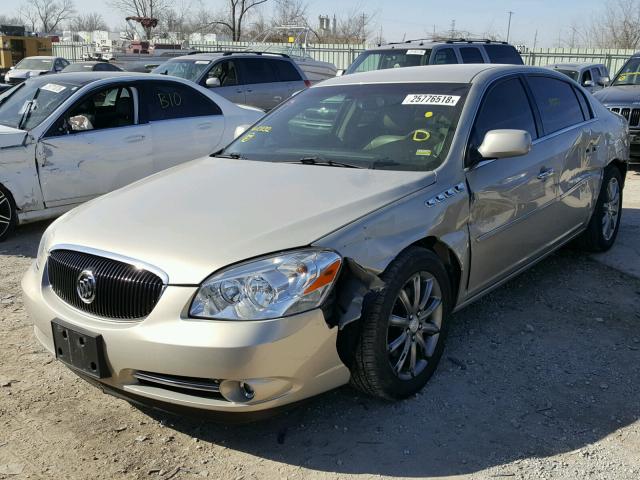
383,339
603,227
8,214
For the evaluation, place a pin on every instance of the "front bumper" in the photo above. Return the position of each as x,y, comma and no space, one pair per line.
283,360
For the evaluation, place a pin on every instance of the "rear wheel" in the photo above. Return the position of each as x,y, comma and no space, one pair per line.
403,327
8,215
605,222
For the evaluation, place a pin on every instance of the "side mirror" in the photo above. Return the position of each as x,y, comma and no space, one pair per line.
12,68
587,83
505,144
340,72
213,82
604,81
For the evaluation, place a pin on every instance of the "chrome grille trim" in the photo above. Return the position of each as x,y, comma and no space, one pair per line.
632,115
124,290
174,381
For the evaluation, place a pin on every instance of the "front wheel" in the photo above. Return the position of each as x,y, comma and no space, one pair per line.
605,222
8,215
403,327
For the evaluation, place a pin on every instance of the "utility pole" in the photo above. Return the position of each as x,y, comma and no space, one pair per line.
509,25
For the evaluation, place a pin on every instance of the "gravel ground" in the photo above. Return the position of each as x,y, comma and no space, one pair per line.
539,380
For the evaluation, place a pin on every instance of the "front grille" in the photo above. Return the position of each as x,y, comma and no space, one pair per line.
632,115
122,291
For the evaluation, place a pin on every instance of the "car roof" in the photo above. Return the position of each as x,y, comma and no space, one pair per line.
85,78
454,73
215,55
424,43
42,57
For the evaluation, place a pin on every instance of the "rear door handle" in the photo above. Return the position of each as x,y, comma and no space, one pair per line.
204,126
544,174
134,138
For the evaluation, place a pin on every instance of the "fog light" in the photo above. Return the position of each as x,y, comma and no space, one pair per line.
247,391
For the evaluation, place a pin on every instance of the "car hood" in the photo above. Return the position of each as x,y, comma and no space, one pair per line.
626,95
11,137
204,215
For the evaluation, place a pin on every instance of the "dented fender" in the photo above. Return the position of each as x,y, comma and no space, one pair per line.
19,175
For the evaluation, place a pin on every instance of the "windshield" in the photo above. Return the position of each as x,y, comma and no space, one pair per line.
630,73
26,105
572,74
79,67
382,126
383,59
187,69
34,64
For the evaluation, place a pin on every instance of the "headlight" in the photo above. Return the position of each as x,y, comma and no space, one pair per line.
270,287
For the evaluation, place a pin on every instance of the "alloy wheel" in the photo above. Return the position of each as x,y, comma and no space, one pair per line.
414,325
6,214
611,209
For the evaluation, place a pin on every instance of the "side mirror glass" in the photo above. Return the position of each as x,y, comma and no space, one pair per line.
604,81
340,72
505,144
12,68
80,123
587,83
213,82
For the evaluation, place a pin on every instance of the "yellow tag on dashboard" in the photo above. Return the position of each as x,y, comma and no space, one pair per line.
421,136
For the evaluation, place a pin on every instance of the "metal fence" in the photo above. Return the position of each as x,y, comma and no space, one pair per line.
341,55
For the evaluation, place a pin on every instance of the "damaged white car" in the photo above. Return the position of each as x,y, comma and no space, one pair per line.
67,138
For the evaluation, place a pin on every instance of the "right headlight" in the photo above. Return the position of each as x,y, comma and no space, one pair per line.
270,287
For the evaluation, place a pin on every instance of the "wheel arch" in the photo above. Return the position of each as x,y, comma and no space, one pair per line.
622,166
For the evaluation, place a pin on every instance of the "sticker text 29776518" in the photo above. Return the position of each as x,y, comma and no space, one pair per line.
431,99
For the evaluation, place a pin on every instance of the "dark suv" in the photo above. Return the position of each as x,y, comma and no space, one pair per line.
413,53
259,79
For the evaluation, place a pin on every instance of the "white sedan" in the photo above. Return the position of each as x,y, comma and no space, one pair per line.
67,138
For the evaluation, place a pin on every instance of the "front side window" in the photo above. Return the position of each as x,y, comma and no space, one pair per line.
445,56
386,126
471,55
29,104
112,107
572,74
167,101
385,59
226,72
188,69
557,103
630,73
506,106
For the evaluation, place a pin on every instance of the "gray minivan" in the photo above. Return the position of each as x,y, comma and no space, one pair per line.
413,53
258,79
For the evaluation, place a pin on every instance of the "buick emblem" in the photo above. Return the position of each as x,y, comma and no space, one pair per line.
86,286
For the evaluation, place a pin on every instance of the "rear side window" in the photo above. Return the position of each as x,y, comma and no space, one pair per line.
257,70
444,56
503,54
506,106
167,100
285,71
471,55
557,103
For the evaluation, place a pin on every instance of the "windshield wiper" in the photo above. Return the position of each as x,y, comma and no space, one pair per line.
322,162
27,113
235,156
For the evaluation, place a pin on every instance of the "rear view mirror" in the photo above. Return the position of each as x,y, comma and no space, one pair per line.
604,81
505,143
340,72
213,82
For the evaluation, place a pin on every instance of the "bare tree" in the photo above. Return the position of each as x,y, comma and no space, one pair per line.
13,20
88,22
142,9
47,15
290,12
618,26
234,16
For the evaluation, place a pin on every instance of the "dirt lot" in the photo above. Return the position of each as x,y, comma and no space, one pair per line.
539,380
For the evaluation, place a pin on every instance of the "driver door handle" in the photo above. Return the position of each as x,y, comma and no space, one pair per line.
134,138
545,173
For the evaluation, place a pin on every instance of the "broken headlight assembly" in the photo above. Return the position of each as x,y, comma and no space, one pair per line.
269,287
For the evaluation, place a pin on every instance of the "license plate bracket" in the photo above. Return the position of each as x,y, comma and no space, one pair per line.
80,349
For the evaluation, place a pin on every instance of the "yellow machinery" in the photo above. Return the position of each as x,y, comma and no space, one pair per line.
15,48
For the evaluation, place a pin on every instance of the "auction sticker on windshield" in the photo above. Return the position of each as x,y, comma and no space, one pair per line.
431,99
416,52
52,87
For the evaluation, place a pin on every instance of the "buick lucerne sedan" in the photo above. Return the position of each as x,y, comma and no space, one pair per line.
330,242
67,138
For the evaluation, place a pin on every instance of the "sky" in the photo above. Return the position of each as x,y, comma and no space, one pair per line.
400,19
